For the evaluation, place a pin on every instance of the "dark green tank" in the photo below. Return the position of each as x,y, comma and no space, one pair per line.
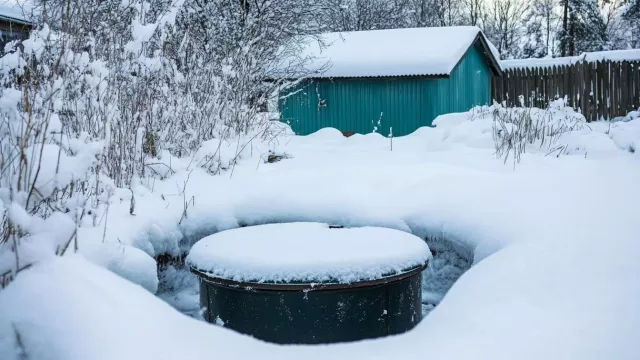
314,314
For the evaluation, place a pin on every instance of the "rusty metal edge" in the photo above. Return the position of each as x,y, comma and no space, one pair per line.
306,287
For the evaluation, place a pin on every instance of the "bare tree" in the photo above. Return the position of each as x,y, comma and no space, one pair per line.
614,27
504,26
420,13
540,22
630,13
449,12
356,15
473,11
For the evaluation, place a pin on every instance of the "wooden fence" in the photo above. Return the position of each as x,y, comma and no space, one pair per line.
599,90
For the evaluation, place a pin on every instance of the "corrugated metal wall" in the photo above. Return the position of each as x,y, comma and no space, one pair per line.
363,104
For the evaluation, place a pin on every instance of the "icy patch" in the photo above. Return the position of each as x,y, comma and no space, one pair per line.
180,289
444,269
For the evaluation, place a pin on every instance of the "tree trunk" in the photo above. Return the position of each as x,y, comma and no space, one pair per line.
572,41
565,24
548,38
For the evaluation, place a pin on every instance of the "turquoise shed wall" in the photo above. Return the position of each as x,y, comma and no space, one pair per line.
404,103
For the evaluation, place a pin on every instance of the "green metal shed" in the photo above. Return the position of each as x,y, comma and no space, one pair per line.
400,79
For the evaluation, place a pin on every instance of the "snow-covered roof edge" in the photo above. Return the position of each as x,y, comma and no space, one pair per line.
15,11
613,55
490,51
350,54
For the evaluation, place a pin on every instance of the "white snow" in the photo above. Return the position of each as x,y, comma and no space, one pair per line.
590,57
394,52
15,9
553,240
307,252
125,260
556,264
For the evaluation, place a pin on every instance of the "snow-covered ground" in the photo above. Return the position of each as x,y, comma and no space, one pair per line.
553,244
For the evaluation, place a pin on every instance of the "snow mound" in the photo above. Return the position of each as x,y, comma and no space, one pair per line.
127,261
327,134
307,252
89,313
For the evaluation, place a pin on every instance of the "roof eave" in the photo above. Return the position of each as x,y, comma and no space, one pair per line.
495,63
12,19
355,77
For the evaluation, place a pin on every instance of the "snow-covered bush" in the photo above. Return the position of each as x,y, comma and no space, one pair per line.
516,128
512,132
554,131
48,168
633,115
102,89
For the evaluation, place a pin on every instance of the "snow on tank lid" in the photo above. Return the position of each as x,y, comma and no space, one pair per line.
307,253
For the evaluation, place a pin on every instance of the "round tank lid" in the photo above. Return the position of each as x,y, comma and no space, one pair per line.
307,253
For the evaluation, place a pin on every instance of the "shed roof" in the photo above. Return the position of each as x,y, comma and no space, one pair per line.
395,52
15,11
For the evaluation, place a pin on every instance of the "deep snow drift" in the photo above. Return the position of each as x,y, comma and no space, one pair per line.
553,242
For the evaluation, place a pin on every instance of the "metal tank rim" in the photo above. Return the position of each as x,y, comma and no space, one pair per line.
305,287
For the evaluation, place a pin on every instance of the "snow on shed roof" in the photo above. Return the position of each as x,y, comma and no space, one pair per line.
394,52
15,10
614,55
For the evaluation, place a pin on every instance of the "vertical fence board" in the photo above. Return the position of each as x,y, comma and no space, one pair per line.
557,79
635,101
606,81
632,86
577,88
536,86
593,92
553,84
600,92
629,87
611,85
525,87
586,81
635,83
616,87
549,86
566,85
623,89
